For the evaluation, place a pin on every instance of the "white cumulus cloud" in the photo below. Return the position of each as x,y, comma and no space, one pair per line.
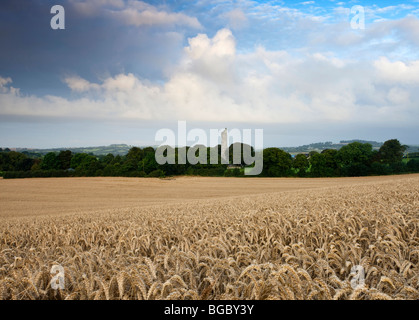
214,82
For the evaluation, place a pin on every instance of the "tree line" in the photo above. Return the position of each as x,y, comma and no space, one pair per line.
353,159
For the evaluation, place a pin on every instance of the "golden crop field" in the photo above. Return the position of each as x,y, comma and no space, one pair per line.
210,238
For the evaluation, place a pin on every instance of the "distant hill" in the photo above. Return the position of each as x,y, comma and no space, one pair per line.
115,149
374,144
122,149
413,148
320,146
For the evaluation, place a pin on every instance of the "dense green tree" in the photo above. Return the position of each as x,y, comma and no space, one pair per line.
232,172
330,156
77,159
134,156
64,158
117,160
355,159
398,167
11,161
378,168
107,159
172,166
129,167
276,162
4,161
413,165
15,161
36,166
148,150
301,164
19,161
391,151
318,165
25,164
332,162
131,161
355,153
50,162
179,168
89,166
356,170
310,154
149,163
86,164
375,157
109,170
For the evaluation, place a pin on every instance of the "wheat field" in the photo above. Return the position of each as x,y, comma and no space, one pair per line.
269,243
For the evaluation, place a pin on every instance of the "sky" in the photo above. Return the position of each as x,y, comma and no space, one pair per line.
303,71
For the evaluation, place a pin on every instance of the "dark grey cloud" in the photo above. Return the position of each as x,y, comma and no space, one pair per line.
92,46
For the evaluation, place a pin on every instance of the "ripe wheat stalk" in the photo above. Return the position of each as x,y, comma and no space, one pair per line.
295,245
